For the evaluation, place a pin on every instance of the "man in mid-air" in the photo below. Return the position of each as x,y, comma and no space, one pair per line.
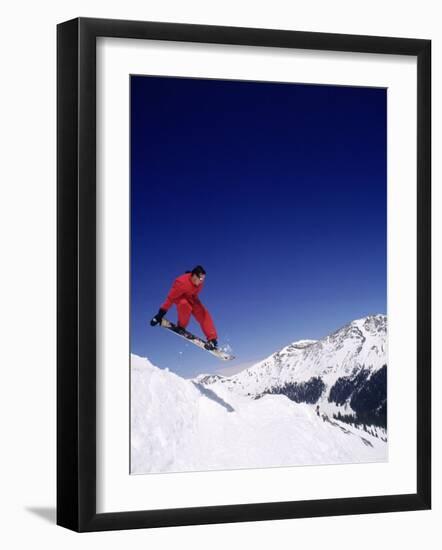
184,293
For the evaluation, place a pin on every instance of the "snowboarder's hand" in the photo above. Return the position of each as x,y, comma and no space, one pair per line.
157,319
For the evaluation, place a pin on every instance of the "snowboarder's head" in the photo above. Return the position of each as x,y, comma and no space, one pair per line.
198,274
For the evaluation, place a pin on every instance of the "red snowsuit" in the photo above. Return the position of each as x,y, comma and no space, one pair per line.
185,295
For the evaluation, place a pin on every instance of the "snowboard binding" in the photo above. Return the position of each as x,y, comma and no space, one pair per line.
211,345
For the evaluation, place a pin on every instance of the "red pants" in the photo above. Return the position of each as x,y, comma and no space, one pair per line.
186,308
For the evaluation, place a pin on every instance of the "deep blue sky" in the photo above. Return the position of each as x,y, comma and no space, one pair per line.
278,190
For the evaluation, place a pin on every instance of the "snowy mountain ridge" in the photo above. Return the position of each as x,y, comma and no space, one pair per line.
359,344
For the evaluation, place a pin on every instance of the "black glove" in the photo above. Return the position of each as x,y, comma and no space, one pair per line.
157,319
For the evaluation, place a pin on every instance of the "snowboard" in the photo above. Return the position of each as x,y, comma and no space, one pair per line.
165,323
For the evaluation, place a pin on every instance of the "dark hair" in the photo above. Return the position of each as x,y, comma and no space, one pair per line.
198,271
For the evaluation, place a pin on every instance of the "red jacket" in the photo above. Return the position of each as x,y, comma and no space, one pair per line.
183,287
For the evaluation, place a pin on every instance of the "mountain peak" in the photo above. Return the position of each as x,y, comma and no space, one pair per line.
377,320
208,378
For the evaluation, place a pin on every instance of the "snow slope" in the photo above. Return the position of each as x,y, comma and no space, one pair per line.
182,425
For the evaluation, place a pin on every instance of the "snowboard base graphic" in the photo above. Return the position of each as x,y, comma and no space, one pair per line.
165,323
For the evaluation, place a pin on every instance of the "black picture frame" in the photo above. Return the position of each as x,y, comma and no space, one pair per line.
77,288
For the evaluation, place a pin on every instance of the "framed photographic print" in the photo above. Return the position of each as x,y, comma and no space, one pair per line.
243,274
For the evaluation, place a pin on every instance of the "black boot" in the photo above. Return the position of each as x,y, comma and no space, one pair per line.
211,344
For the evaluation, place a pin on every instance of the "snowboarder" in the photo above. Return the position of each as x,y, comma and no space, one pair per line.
184,294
